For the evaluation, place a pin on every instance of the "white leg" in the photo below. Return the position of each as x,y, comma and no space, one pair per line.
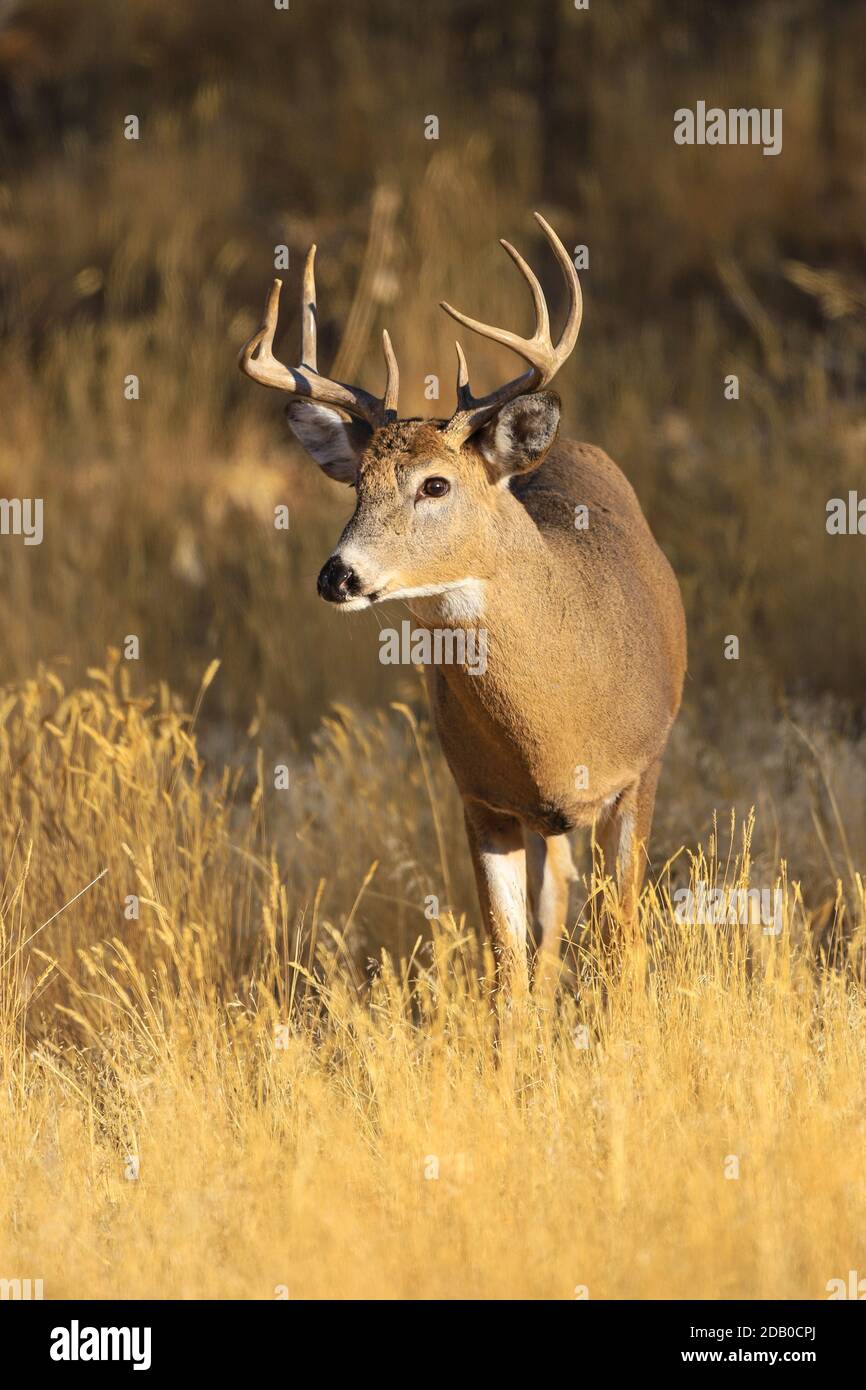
499,860
550,870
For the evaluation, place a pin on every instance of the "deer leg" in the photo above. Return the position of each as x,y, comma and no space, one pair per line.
549,871
622,837
499,861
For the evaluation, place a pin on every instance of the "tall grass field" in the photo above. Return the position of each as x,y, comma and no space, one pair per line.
250,1046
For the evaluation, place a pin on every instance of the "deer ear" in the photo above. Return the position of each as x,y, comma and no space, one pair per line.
518,437
335,446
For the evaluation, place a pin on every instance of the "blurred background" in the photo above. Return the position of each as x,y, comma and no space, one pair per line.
262,127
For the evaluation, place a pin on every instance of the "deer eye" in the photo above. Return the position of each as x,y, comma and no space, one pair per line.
434,487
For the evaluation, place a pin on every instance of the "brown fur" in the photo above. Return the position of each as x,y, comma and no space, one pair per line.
586,646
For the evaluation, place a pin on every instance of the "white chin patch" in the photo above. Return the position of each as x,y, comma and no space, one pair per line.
352,605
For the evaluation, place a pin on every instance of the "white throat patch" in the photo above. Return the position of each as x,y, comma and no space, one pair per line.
458,602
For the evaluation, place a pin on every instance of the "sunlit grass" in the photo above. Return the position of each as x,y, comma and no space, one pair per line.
228,1097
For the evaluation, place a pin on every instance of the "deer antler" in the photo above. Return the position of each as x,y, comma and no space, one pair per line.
544,359
304,380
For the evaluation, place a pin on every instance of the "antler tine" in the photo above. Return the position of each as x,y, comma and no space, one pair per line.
538,351
257,361
309,312
541,336
392,385
263,339
464,395
542,318
568,337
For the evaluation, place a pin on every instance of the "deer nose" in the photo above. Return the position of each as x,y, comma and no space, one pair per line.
336,581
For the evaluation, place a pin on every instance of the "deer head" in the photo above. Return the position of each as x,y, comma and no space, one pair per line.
430,493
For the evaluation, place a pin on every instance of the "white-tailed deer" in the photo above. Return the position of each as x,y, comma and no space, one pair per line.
487,520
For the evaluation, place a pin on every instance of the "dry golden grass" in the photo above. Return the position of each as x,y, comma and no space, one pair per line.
303,1122
310,1165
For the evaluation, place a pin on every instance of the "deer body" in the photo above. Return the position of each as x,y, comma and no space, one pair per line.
585,648
473,523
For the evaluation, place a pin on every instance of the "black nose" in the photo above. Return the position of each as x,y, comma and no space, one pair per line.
337,581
